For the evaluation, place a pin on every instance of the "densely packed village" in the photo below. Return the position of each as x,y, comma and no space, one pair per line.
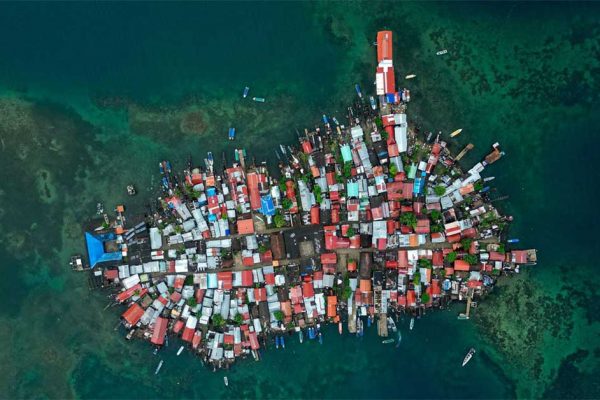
361,221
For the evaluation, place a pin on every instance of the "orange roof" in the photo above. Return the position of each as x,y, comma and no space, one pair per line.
461,265
365,285
384,45
133,314
245,226
331,306
120,208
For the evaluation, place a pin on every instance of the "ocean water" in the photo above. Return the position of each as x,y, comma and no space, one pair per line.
93,95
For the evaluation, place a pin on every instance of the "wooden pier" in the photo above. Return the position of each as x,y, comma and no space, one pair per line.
464,151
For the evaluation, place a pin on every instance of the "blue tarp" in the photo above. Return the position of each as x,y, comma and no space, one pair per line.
95,248
267,206
391,98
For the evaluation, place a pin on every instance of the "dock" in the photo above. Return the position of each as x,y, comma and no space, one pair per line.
464,151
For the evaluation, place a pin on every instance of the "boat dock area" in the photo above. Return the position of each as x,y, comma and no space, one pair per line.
363,219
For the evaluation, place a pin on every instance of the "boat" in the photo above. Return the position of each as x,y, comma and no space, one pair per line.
276,342
311,333
340,328
399,339
361,330
388,341
456,133
411,76
131,190
231,133
357,87
282,341
405,95
226,381
246,90
282,147
335,121
259,99
468,356
412,323
489,178
180,350
155,352
512,241
301,335
429,136
210,157
325,120
391,324
373,102
441,52
320,338
160,364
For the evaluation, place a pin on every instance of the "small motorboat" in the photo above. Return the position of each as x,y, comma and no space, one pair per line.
335,121
160,364
399,339
456,132
246,90
301,335
512,240
357,88
412,323
340,328
388,341
320,338
231,133
468,356
441,52
489,178
276,342
131,190
180,350
259,99
282,341
282,147
325,120
373,102
226,381
410,76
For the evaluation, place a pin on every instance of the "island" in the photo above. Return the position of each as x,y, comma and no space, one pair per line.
365,219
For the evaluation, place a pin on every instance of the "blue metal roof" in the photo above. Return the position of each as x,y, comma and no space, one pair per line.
267,206
95,248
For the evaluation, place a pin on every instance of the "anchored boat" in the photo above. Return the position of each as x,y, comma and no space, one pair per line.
226,381
410,76
180,350
373,103
441,52
231,133
160,364
412,323
399,339
357,88
388,341
246,90
259,99
468,356
391,324
456,132
335,121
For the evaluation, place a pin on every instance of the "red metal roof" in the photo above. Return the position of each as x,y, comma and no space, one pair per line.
227,279
308,289
315,217
160,328
247,278
188,334
133,314
253,179
384,45
461,265
245,226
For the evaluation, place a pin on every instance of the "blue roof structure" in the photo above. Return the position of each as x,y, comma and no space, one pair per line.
352,189
96,251
266,205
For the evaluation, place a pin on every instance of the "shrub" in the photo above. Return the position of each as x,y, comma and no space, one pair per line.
439,190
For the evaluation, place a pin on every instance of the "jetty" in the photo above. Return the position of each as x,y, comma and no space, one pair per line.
359,221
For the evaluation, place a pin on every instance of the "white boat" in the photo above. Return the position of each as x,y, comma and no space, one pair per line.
388,341
489,178
180,350
399,339
246,90
391,324
410,76
226,381
259,99
160,364
441,52
468,356
412,323
456,132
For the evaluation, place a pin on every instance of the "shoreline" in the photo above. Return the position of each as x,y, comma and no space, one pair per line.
403,228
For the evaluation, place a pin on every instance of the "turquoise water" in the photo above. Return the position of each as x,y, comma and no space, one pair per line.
92,96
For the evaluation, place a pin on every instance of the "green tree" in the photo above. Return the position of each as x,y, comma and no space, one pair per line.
408,219
238,319
425,263
317,193
439,190
192,302
393,170
262,248
348,169
417,278
339,179
378,123
278,315
350,232
424,298
286,204
466,243
451,257
478,186
279,220
435,215
471,259
218,320
501,248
